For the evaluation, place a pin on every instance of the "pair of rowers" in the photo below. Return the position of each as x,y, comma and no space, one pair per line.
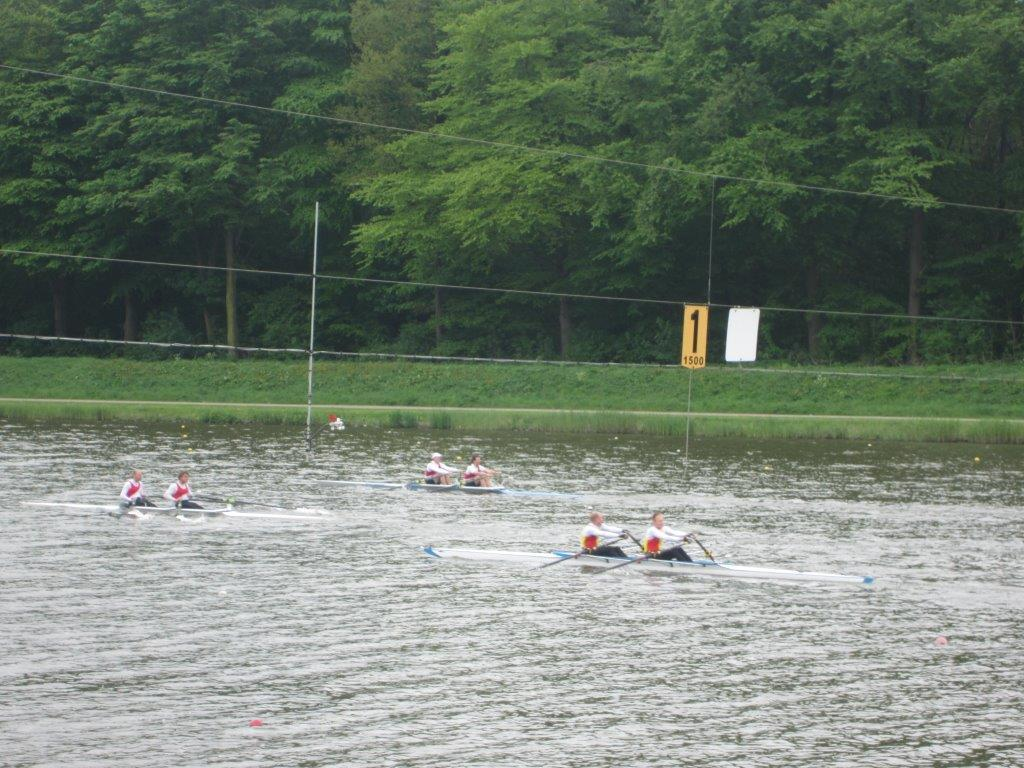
659,542
179,492
475,476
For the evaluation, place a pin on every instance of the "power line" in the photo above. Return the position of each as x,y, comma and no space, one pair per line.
156,344
513,291
737,370
918,201
144,263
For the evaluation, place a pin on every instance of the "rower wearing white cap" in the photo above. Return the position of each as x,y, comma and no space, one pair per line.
437,472
664,543
132,494
598,538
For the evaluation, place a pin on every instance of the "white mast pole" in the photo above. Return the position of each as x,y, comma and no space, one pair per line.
312,331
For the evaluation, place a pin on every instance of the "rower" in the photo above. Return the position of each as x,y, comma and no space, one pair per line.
180,492
659,536
597,532
131,493
477,475
437,472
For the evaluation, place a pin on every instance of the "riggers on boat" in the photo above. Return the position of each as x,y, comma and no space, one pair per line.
419,485
143,513
707,568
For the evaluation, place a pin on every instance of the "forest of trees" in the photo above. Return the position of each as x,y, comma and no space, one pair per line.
920,99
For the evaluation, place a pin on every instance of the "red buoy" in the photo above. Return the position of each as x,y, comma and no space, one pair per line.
255,723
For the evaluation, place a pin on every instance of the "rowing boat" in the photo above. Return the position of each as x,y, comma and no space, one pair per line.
144,513
117,509
417,485
708,568
483,489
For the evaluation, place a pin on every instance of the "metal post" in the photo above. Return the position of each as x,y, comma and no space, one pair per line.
711,234
686,452
312,330
689,383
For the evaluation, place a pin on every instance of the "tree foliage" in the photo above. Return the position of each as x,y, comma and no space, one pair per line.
755,106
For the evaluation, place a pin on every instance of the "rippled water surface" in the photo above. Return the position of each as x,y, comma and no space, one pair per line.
154,643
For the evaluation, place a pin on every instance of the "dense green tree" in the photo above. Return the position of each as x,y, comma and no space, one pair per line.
913,102
455,212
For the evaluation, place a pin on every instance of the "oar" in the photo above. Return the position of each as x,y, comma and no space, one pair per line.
232,501
577,554
639,559
635,540
707,552
628,562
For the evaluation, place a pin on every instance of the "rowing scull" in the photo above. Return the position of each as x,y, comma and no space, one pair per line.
416,485
143,512
672,567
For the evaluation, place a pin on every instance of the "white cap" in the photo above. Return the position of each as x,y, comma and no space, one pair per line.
435,455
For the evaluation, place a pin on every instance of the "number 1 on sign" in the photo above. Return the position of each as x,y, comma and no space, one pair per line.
695,335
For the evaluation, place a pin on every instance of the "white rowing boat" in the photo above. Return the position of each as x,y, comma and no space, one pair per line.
382,484
418,485
671,567
414,485
482,489
144,513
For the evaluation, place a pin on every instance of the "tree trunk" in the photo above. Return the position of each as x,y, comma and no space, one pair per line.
438,312
131,318
230,294
211,337
915,262
814,324
59,290
564,327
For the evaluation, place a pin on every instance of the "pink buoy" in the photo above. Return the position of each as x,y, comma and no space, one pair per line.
941,640
255,723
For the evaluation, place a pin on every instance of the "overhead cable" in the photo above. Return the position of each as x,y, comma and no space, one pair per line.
513,291
925,202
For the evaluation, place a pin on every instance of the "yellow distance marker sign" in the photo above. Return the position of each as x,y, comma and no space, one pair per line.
695,336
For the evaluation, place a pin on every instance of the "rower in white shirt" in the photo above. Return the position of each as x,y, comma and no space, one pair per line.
132,494
180,492
437,472
663,543
598,538
477,475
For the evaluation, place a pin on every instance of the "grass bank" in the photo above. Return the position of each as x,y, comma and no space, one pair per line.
961,403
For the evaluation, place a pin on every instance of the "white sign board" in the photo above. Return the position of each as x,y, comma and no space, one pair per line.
741,338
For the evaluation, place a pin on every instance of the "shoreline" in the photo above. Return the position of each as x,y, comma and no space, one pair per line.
702,424
976,404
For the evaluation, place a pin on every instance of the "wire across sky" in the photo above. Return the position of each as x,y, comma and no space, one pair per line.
504,145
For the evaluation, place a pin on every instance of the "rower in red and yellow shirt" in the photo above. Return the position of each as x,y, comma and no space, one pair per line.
598,538
663,543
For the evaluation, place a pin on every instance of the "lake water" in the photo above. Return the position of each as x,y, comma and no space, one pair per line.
154,643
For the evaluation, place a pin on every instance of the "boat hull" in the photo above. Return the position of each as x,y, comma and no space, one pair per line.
431,488
418,485
144,513
482,490
703,568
